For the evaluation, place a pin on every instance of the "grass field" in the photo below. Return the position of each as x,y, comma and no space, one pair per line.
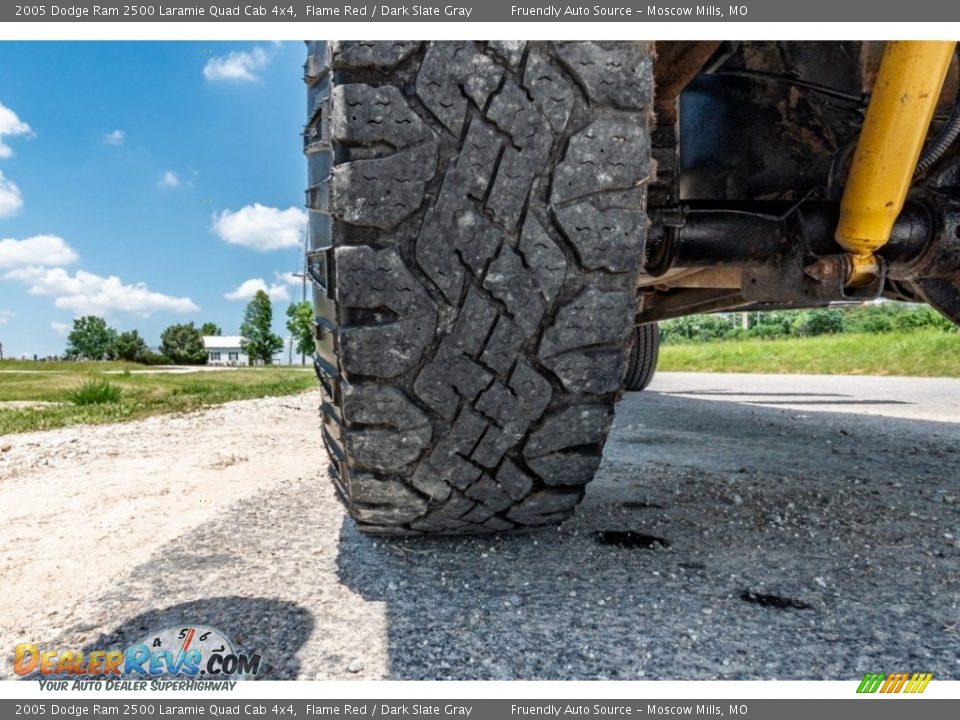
60,389
927,353
57,388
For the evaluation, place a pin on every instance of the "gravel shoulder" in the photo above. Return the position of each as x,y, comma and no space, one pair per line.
781,527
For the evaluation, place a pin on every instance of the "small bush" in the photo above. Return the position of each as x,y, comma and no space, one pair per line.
152,358
825,321
95,391
768,331
923,317
770,325
873,323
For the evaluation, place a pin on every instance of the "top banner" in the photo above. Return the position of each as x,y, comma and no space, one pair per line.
312,11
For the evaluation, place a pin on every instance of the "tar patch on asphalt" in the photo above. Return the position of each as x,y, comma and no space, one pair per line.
640,505
774,601
629,540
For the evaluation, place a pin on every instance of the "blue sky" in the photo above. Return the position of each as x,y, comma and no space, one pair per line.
146,182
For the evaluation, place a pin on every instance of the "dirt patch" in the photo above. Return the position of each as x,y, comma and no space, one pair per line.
83,505
27,404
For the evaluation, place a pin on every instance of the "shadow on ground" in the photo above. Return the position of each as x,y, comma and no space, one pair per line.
271,628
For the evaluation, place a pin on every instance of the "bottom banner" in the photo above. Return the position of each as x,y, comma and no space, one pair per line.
875,708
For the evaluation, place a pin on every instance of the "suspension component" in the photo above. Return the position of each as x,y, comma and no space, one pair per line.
901,107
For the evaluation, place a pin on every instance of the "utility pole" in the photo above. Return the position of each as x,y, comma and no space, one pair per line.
303,293
303,297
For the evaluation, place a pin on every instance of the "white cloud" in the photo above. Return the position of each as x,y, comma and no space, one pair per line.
39,250
168,180
261,228
6,316
10,199
237,66
248,288
115,137
12,126
287,278
88,294
61,329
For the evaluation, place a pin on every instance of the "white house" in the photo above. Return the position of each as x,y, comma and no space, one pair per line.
224,350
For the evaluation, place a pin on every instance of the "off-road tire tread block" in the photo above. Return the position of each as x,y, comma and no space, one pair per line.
644,352
477,223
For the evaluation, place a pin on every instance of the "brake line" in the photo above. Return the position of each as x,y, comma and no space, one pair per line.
945,138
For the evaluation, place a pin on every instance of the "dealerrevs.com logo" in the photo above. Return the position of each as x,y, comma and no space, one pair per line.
190,653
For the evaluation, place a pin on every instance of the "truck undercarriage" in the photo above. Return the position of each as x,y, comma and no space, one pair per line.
755,149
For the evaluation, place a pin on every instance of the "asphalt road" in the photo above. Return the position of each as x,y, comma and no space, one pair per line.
741,527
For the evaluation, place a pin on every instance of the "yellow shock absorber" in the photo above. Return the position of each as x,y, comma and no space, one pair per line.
901,107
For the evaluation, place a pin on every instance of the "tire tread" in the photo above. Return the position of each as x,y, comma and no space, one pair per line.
477,221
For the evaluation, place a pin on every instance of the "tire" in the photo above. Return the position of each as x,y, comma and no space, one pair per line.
477,220
642,360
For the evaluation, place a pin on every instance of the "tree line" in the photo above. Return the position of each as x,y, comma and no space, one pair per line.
775,324
182,344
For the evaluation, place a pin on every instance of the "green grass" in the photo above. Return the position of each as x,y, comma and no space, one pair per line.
923,353
94,393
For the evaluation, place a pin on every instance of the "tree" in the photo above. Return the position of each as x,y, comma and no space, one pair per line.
91,339
130,346
183,344
300,325
209,328
259,341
